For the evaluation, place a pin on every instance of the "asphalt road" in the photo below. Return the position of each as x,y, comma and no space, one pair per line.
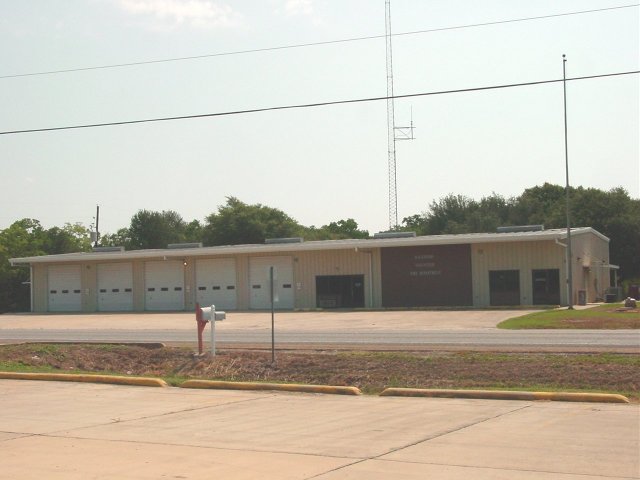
626,339
397,329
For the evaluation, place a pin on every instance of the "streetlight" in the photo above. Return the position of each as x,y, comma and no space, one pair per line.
566,162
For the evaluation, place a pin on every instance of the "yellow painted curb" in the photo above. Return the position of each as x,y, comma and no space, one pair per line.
284,387
69,377
506,395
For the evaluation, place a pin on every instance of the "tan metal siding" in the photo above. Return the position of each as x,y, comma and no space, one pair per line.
522,256
377,278
242,274
89,282
40,287
307,265
590,253
138,286
189,284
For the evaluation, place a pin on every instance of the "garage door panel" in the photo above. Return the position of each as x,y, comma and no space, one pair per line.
115,287
164,285
259,282
65,288
216,283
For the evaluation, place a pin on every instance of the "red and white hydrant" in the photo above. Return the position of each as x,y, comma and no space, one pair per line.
208,315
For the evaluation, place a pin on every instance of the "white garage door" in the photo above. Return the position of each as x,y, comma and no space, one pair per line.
164,285
65,294
115,287
216,283
259,282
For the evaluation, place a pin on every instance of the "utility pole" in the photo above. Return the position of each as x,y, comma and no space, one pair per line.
97,222
566,162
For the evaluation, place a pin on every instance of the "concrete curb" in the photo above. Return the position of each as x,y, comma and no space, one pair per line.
70,377
506,395
282,387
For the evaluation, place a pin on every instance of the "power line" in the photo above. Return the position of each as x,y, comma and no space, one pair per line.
311,105
314,44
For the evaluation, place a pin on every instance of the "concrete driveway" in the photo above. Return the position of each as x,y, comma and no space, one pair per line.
77,431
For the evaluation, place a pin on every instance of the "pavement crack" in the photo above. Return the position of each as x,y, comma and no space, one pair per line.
502,469
422,440
336,469
452,430
157,415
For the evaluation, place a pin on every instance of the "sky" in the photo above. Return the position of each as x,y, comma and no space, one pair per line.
316,164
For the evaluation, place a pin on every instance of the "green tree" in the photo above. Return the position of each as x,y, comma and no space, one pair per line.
341,229
193,232
612,213
149,229
345,229
236,222
70,238
122,238
27,238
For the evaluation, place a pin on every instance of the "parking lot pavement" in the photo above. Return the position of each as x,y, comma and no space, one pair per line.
252,321
68,430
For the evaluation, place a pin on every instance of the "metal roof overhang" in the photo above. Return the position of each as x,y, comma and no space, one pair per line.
471,238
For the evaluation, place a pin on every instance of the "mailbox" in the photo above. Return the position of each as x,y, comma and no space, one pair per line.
208,315
207,311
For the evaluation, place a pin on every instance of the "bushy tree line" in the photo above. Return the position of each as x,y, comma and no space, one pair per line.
612,213
27,238
234,223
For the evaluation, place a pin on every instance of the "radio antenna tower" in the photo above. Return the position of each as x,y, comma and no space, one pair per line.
393,133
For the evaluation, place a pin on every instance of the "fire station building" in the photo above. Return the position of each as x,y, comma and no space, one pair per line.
517,266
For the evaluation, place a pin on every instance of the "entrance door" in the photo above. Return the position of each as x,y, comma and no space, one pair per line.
115,287
259,284
164,285
340,291
216,283
546,287
504,287
65,294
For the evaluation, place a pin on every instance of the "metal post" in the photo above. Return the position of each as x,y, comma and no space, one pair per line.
566,159
273,337
213,330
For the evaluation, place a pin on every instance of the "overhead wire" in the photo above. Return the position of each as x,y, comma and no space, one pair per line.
313,44
312,105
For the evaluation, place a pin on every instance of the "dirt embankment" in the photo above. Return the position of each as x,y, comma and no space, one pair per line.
370,371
